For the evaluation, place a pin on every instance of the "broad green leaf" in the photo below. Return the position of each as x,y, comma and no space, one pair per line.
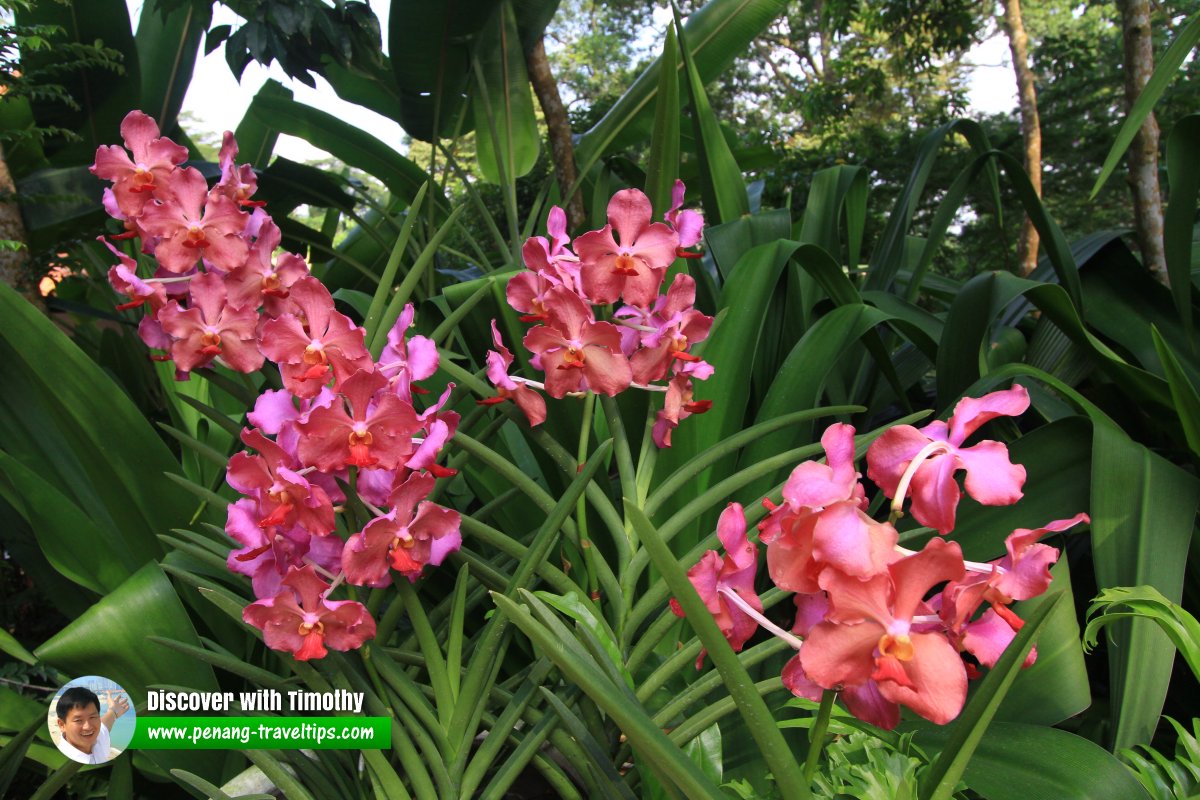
1018,761
15,649
64,419
93,556
721,181
662,166
1168,67
14,750
506,130
1183,172
1056,686
1145,601
1143,511
256,135
966,732
1183,391
340,139
166,48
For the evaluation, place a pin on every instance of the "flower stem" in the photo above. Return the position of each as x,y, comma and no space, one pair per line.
749,610
816,734
906,479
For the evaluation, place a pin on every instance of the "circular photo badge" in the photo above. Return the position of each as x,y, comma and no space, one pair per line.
91,720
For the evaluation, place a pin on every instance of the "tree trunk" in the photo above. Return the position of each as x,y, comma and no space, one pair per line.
559,129
1143,153
12,228
1031,128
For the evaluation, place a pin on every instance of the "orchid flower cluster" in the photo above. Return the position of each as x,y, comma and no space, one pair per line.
220,294
868,622
646,340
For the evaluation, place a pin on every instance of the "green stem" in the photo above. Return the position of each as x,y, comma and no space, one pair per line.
816,735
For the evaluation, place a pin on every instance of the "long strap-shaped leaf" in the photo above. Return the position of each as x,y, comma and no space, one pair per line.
754,710
1167,68
657,752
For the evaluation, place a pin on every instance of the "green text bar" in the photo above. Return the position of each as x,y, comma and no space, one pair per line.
262,733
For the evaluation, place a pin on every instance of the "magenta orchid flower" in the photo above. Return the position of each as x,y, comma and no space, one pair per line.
689,225
677,327
154,159
309,628
267,553
193,224
314,341
404,538
210,328
936,453
407,359
264,280
577,353
632,270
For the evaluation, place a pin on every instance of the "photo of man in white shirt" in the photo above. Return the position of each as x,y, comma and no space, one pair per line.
84,731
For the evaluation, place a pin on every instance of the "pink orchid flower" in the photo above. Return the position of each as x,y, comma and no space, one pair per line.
238,183
194,224
405,538
532,404
552,257
286,496
677,327
154,160
407,359
713,576
823,524
879,630
264,280
577,353
936,453
679,404
308,629
376,432
314,340
124,279
689,225
211,328
633,269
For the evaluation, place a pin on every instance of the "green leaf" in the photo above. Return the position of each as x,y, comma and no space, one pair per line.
1168,67
64,419
340,139
966,732
256,135
1121,602
655,750
662,166
506,131
1183,391
574,607
167,46
112,637
721,182
1017,761
754,711
1143,512
1183,172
